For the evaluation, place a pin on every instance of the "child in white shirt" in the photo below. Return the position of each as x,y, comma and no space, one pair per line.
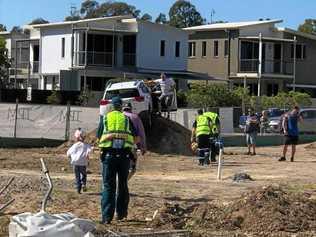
79,155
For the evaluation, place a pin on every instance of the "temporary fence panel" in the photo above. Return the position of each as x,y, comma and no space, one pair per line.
45,121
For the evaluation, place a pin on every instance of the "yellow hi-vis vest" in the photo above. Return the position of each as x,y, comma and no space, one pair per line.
116,124
202,125
213,116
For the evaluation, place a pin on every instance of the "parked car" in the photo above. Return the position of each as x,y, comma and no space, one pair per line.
308,125
135,92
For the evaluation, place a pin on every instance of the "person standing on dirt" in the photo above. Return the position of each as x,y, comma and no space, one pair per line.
290,130
201,131
79,155
116,143
215,130
167,86
140,132
251,130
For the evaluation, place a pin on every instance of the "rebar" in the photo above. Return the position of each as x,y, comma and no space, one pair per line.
7,185
50,189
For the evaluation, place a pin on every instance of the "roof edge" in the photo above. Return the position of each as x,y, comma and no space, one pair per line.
295,32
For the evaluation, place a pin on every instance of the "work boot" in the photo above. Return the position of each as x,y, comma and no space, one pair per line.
282,158
84,188
292,159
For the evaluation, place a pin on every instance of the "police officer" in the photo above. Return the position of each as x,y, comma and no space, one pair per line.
215,130
201,133
116,140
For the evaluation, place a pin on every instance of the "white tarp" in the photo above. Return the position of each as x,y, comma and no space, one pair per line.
43,224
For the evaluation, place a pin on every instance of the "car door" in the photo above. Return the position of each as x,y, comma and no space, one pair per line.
308,123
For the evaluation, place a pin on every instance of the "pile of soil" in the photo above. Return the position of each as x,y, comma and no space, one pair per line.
165,137
242,177
311,146
168,137
262,212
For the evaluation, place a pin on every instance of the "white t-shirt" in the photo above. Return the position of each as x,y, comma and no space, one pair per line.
166,86
78,153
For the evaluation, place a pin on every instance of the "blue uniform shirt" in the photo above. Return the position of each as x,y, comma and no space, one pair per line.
292,127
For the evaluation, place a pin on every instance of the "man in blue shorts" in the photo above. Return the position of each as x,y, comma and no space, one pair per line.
290,130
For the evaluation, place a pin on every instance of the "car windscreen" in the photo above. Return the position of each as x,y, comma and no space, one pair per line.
276,113
123,93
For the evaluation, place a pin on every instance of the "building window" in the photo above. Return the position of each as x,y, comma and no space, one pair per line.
272,89
215,48
162,48
62,47
177,53
300,51
226,48
192,46
204,49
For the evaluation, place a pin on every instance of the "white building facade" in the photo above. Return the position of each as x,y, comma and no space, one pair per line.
71,56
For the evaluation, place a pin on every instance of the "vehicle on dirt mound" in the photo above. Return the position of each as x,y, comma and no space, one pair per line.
134,92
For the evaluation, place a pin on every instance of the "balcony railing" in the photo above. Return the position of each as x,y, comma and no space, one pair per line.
23,67
268,66
93,58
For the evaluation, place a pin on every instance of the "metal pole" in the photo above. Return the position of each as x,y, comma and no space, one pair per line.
16,116
260,65
219,168
67,128
243,98
16,63
47,195
294,64
113,45
86,61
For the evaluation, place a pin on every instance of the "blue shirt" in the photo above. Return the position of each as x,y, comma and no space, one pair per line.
292,121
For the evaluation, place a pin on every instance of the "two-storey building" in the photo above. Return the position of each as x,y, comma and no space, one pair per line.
266,58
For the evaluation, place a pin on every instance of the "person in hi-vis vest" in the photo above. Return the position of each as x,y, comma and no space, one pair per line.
116,140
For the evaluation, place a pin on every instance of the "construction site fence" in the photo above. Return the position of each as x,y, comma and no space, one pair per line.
19,120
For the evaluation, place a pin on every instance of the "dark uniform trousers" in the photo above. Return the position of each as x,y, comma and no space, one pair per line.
115,163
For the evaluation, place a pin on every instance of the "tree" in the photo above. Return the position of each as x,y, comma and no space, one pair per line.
74,15
4,60
17,29
109,8
3,27
38,21
184,14
212,95
146,17
89,9
161,19
309,26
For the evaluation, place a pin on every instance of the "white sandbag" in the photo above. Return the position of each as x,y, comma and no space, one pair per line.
43,224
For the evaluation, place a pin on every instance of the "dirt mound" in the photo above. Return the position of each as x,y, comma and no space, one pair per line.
165,137
269,210
168,137
311,146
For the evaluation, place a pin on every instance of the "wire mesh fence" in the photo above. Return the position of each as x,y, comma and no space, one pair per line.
45,121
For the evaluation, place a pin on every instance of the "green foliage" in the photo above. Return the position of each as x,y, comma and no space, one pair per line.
84,97
17,29
38,21
54,98
182,99
213,95
286,100
4,60
146,17
89,9
184,14
110,8
3,27
161,19
309,26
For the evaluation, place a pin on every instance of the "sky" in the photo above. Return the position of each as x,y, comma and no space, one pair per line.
293,12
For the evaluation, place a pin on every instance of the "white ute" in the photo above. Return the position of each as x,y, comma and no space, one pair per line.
135,92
